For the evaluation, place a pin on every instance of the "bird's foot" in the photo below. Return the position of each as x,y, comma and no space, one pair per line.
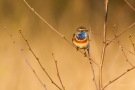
85,54
77,48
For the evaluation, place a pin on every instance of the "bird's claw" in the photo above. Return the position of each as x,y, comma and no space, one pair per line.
77,48
85,54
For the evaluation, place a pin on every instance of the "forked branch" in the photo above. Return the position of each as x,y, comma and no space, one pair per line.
133,67
121,33
58,72
104,44
57,31
38,60
126,49
17,45
122,49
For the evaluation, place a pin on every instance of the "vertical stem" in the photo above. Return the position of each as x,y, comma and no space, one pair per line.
104,44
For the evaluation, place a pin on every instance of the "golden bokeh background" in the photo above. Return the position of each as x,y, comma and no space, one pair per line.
65,16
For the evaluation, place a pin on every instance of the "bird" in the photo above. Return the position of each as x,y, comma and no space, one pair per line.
81,39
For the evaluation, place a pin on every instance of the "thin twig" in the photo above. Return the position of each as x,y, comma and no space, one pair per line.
57,31
104,44
126,56
130,5
38,60
96,34
122,49
121,33
116,41
126,49
94,79
126,60
132,42
58,72
118,77
100,35
18,46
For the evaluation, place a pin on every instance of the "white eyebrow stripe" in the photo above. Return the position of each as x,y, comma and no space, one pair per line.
81,29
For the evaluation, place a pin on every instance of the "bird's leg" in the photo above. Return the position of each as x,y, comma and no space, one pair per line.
77,48
88,50
85,53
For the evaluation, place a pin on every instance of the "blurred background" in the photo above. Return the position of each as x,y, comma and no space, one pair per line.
65,16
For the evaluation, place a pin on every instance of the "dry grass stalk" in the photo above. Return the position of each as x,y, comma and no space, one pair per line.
106,42
18,46
38,60
58,72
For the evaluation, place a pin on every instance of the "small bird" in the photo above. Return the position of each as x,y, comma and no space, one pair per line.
81,39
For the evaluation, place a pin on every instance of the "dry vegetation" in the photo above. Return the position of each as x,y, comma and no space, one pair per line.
112,46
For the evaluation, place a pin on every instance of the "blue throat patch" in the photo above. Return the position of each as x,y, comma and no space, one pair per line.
81,36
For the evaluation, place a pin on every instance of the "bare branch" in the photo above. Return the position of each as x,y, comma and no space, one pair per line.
122,49
116,41
57,31
18,46
100,35
126,49
126,56
118,77
121,33
94,79
58,72
39,61
126,60
130,5
132,42
104,44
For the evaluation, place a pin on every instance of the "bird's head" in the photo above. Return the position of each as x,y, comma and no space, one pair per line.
82,29
81,33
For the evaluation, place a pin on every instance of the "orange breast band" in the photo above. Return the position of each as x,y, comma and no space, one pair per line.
81,41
